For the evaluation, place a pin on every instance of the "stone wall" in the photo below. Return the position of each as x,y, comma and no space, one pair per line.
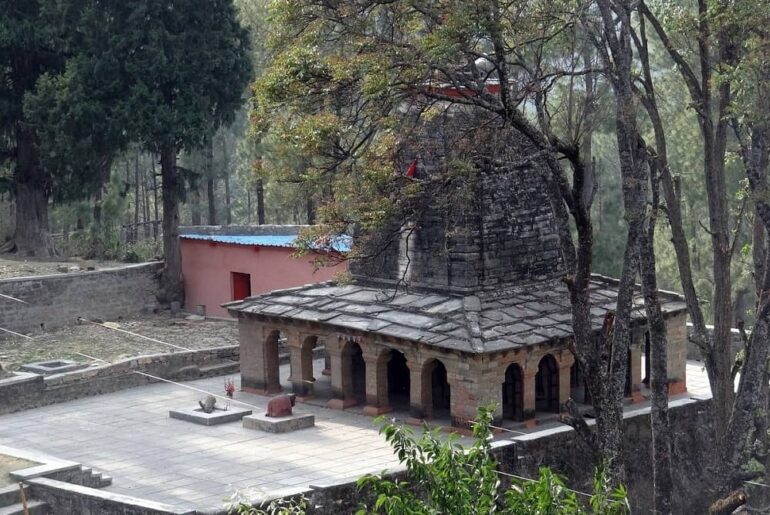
66,499
560,449
483,219
53,301
693,352
24,391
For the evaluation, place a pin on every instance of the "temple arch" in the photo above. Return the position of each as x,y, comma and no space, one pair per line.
547,385
513,393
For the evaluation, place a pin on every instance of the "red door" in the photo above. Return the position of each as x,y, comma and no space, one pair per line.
241,285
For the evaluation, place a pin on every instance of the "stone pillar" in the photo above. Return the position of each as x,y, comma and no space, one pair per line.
341,378
565,388
377,382
676,353
420,398
259,357
464,402
301,358
565,377
529,402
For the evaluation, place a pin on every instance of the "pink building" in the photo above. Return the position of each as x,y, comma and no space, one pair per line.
222,264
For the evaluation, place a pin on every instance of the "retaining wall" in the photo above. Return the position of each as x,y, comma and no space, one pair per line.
52,301
693,352
24,391
562,451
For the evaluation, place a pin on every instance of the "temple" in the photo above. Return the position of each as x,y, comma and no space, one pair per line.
461,305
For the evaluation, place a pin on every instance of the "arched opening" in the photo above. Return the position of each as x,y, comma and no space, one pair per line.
438,400
398,380
354,372
547,385
513,393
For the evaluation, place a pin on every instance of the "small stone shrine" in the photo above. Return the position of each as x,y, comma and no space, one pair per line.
462,307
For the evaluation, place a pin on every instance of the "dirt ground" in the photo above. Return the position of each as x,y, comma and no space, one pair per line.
110,345
11,266
10,464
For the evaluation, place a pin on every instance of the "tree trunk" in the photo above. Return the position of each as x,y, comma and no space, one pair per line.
212,201
154,199
210,181
617,28
195,205
248,206
145,208
136,197
661,431
226,175
172,286
31,237
310,210
260,203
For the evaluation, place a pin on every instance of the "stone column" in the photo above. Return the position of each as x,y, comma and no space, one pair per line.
377,382
420,399
301,358
676,353
259,358
565,389
565,378
341,378
528,395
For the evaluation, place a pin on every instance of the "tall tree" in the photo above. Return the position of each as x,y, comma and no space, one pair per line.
28,50
723,35
617,51
188,66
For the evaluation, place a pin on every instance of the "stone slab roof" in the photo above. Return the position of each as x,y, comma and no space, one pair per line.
486,322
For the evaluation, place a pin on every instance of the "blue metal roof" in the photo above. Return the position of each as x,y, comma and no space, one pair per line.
341,244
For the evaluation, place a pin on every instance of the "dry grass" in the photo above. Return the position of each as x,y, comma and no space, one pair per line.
12,266
10,464
110,345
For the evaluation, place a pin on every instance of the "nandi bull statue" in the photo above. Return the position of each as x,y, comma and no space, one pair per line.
280,406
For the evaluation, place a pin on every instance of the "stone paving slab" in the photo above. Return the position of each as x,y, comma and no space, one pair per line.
129,436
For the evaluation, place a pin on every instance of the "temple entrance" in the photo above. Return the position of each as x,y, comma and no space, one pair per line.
359,373
513,398
434,374
547,385
398,380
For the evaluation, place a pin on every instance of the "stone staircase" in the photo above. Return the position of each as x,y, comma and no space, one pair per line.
10,496
10,502
92,479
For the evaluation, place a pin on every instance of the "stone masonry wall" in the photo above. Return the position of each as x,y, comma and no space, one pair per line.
561,450
483,220
58,300
25,391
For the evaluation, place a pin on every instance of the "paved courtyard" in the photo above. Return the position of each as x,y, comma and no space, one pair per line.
129,436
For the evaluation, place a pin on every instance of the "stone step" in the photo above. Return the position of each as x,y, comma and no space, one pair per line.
10,494
93,479
34,507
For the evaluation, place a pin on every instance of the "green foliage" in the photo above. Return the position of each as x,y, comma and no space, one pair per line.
237,505
445,478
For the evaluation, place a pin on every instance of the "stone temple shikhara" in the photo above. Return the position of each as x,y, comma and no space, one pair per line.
463,306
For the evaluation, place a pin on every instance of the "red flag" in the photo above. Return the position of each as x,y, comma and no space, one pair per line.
410,171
